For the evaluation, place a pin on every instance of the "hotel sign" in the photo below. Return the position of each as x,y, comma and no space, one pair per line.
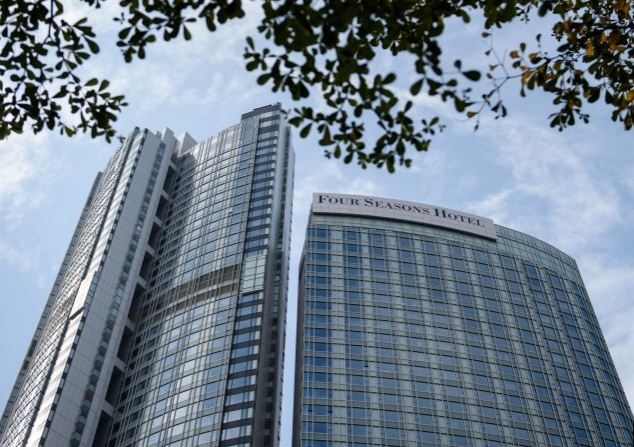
324,203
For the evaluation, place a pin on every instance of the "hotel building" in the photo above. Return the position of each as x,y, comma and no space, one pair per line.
424,326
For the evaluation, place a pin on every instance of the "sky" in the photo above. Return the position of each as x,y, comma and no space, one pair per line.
573,189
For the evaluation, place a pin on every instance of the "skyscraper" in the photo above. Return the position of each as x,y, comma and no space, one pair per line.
424,326
165,325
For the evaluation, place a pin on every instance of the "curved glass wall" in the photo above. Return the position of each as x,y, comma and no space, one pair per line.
417,335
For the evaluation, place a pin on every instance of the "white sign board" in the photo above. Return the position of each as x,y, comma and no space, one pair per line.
326,203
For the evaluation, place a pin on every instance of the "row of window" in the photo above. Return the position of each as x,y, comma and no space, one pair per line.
380,335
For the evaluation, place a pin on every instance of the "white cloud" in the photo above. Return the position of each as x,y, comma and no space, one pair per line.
199,72
628,179
555,186
557,191
610,286
101,19
16,257
329,176
324,176
183,73
26,167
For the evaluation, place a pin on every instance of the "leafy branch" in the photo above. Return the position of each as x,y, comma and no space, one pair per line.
39,64
328,50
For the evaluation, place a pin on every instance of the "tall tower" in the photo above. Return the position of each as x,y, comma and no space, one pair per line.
424,326
165,325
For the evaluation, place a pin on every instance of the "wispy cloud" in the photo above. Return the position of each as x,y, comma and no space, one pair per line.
324,176
628,180
557,191
15,257
100,18
329,176
26,167
179,73
554,186
610,284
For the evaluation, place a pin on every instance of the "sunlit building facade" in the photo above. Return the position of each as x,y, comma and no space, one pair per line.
166,323
424,326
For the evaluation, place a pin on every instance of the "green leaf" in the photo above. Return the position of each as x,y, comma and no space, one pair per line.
305,131
61,93
94,48
295,121
416,87
472,75
124,32
263,79
459,104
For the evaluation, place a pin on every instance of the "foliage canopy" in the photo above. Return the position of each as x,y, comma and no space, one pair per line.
326,48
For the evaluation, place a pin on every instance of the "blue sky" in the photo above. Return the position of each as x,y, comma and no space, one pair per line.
573,189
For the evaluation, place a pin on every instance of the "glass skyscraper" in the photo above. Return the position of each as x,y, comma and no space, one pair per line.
423,326
165,325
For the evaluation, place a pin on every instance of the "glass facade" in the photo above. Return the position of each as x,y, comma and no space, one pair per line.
411,334
205,364
62,370
166,323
